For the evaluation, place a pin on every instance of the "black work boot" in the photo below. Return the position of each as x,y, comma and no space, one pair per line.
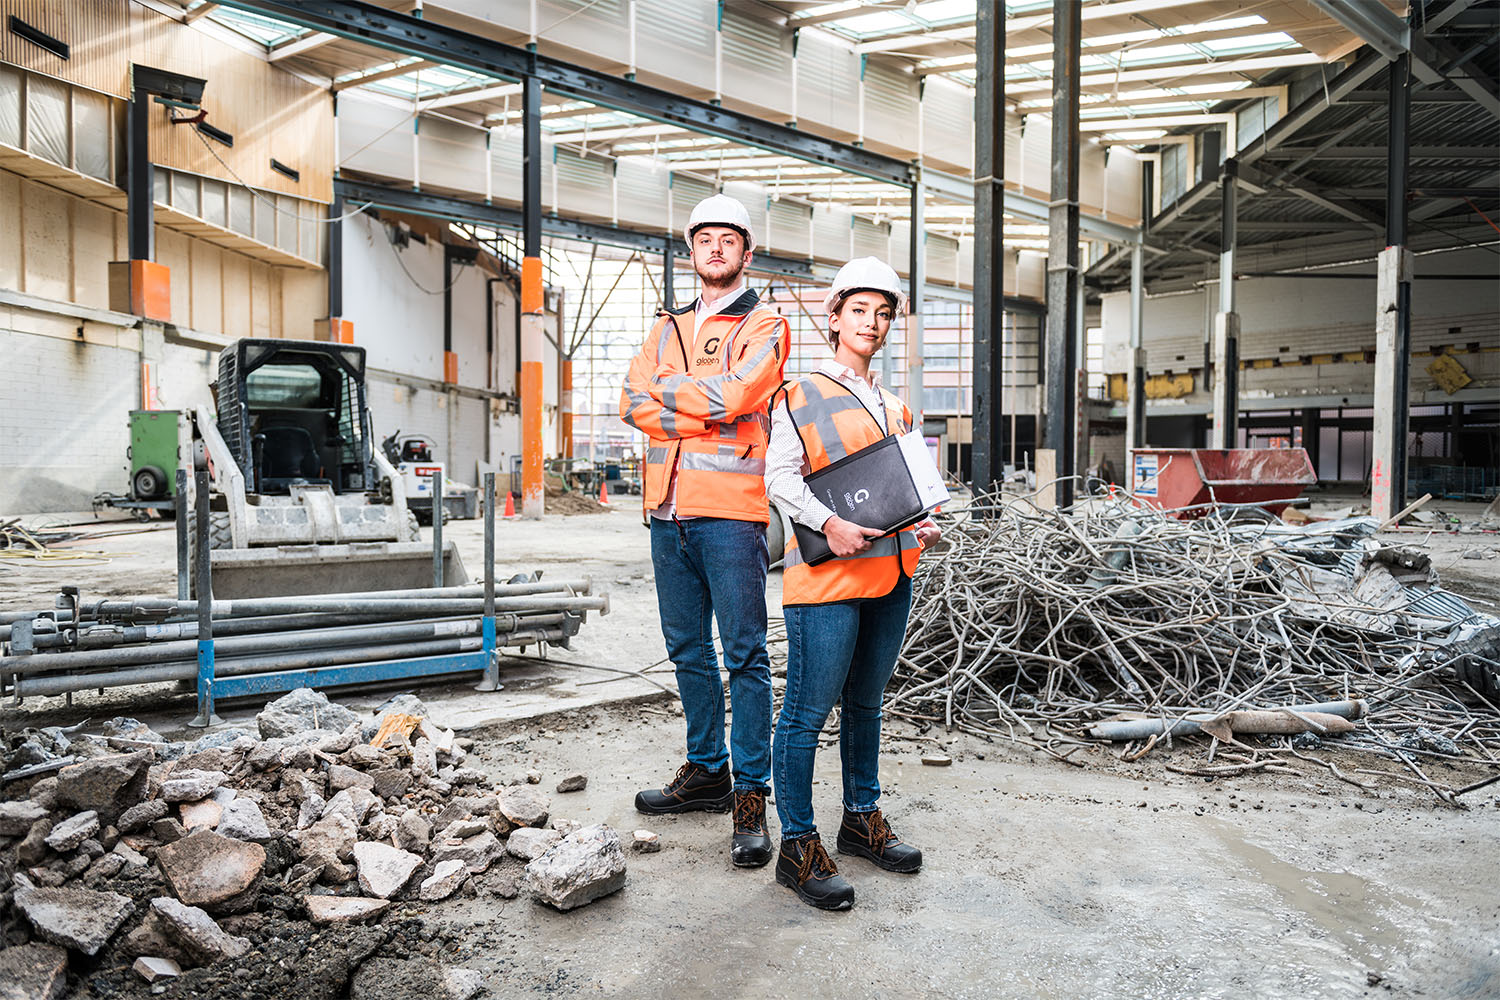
694,789
751,844
867,835
805,868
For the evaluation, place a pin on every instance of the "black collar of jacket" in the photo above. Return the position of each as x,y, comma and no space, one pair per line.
747,301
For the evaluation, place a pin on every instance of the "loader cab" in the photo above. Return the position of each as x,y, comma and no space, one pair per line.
293,413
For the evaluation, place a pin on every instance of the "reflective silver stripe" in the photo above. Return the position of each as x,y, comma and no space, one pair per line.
713,385
656,454
818,410
731,429
908,539
636,399
702,462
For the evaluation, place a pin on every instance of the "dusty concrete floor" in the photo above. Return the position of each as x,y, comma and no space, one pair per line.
1042,880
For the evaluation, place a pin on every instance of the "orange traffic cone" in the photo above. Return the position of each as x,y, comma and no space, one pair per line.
510,505
604,493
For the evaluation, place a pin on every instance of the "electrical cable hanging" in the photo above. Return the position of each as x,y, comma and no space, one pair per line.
275,207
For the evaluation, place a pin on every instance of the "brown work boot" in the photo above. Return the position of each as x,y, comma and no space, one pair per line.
751,845
694,789
805,868
868,835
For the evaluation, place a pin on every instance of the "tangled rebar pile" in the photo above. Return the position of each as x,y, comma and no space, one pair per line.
1032,624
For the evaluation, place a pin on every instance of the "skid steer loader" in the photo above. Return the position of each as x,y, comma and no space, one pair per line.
302,502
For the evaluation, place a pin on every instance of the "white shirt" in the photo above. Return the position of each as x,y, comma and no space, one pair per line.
786,460
701,311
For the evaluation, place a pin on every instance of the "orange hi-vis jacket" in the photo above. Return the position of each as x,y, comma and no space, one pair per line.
833,423
701,398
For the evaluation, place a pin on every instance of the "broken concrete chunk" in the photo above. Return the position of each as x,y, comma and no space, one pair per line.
381,827
529,843
243,820
152,969
303,710
32,849
33,971
341,777
167,829
462,984
447,878
645,841
424,758
67,835
573,783
130,854
138,816
353,803
934,758
16,817
208,869
331,837
186,934
413,833
204,815
462,828
383,869
525,806
390,783
343,909
107,785
477,852
80,919
585,866
191,785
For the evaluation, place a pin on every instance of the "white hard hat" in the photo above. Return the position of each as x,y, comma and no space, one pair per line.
865,273
720,210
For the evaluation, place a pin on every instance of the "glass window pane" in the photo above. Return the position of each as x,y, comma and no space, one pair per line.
286,223
241,210
265,218
47,119
10,106
213,202
91,129
161,182
185,193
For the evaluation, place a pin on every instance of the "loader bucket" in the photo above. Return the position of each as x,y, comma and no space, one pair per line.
354,567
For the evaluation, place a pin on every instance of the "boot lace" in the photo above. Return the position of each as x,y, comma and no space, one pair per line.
880,831
684,773
749,812
815,862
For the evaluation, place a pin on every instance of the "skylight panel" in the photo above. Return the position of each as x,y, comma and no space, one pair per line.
879,21
267,30
1159,53
944,10
1273,40
1137,135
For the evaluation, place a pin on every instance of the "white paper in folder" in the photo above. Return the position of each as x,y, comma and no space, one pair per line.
924,473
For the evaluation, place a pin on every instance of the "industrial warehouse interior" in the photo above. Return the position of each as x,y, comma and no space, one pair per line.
429,425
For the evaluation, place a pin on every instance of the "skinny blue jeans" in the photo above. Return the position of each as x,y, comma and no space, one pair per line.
708,569
844,653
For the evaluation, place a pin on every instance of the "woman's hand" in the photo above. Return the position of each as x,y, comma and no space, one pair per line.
846,538
928,533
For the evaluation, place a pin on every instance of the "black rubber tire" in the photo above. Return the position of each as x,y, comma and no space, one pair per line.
149,483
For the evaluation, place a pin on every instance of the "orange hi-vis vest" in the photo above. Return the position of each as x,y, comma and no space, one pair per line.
833,423
701,397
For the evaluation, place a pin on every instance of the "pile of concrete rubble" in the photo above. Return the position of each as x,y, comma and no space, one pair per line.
127,848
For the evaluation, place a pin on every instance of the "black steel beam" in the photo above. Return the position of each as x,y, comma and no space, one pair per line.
442,206
1062,247
531,167
452,46
987,452
335,260
140,217
667,269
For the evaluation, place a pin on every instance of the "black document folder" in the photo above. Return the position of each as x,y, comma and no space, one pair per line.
872,487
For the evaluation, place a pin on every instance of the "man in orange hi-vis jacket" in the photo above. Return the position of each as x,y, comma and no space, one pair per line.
699,390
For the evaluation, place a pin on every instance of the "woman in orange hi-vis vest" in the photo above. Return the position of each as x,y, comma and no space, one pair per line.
845,618
698,390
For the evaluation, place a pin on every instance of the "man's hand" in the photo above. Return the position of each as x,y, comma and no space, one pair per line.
928,533
846,538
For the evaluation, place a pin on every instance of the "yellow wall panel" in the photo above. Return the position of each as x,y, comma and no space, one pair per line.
93,248
304,298
172,250
236,296
10,233
207,287
260,300
47,231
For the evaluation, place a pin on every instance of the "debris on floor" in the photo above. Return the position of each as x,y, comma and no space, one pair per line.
188,865
1036,625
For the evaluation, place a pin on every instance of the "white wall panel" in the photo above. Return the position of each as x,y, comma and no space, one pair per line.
675,39
788,235
890,104
827,82
374,137
757,62
585,184
642,192
947,124
452,155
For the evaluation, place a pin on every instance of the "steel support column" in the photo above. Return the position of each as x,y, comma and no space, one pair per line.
139,182
1227,321
1062,249
915,339
986,452
667,267
1393,312
532,304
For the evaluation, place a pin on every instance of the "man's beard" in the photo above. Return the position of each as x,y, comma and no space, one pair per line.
727,279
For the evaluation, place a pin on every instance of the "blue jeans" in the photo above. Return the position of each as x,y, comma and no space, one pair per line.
710,568
845,651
